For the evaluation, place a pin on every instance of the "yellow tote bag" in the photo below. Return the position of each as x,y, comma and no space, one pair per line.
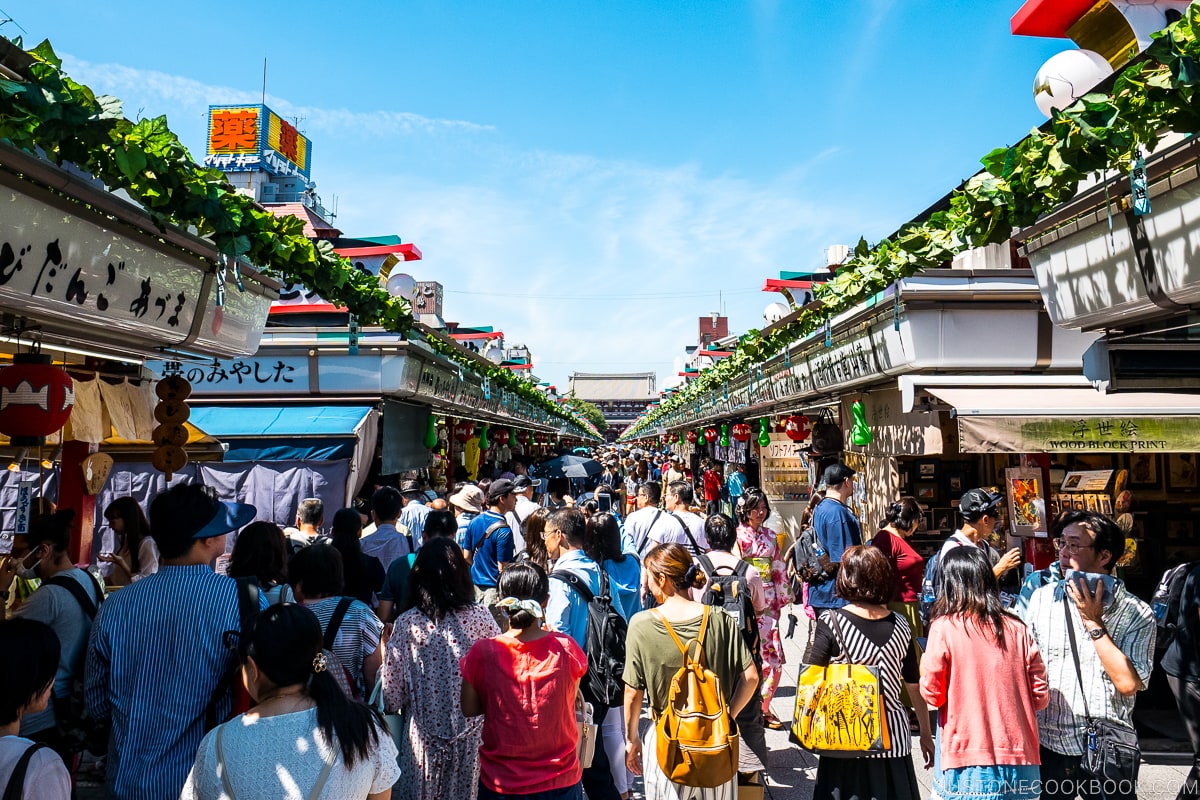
839,709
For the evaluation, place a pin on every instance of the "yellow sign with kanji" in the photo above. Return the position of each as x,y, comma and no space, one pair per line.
233,131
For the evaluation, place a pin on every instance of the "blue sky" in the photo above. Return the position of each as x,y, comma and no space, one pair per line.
591,176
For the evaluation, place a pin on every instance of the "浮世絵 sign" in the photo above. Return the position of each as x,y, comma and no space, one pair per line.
1078,434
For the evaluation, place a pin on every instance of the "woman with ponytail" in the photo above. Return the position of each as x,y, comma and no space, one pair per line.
652,659
908,566
421,676
305,738
524,682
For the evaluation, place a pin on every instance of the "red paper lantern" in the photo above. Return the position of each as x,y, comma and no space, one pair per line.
797,427
500,437
711,434
693,437
741,432
36,399
463,431
523,437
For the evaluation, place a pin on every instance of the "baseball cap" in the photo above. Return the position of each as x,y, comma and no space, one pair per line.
499,488
978,502
523,482
468,498
837,473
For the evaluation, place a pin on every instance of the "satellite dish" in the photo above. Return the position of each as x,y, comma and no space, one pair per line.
775,312
401,285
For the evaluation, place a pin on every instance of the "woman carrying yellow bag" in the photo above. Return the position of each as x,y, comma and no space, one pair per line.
653,661
865,632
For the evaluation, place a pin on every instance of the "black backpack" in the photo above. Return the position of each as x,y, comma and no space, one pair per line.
1166,601
78,730
730,590
604,642
810,559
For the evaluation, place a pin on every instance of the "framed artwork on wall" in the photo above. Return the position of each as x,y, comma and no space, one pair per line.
1026,501
1181,471
1143,470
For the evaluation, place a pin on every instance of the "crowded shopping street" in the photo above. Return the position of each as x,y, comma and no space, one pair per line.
483,473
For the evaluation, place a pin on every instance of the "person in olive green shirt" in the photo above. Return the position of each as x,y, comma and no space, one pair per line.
652,658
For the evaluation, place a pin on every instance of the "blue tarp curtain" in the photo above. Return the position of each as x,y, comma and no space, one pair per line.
283,433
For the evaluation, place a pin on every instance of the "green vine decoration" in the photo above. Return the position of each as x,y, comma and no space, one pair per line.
1102,130
68,123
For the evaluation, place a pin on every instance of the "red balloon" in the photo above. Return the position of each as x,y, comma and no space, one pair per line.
710,435
797,427
741,432
36,399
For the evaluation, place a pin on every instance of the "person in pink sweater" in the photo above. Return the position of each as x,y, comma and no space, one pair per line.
985,675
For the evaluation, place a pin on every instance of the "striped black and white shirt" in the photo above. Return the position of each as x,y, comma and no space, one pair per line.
886,643
1130,623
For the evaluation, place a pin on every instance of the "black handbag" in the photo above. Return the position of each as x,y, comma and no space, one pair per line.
827,436
1111,752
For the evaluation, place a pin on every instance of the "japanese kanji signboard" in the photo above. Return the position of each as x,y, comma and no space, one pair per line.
246,138
1083,434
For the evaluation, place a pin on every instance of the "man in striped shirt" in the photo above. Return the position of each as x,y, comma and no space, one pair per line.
1114,634
160,648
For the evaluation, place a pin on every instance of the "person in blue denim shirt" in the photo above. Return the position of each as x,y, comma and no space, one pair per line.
566,612
837,528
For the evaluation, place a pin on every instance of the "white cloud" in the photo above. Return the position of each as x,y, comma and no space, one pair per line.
498,220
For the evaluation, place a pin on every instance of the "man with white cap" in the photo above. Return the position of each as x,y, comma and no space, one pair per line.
163,651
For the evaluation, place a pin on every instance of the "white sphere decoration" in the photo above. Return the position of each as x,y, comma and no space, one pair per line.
1068,76
775,312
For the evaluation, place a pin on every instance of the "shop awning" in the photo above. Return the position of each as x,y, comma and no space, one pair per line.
1072,419
287,433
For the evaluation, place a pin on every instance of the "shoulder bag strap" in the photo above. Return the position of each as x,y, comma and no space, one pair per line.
836,627
646,536
335,622
77,591
743,566
222,767
572,580
688,531
323,778
671,630
1075,655
16,782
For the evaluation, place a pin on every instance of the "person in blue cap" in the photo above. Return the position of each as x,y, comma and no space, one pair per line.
163,650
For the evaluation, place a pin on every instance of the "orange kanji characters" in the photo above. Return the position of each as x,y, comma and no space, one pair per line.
233,131
288,141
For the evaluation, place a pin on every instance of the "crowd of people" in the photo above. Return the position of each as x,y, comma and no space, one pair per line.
452,647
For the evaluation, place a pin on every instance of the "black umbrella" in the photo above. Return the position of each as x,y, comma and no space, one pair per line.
569,467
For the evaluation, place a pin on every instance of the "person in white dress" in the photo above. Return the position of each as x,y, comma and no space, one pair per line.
305,739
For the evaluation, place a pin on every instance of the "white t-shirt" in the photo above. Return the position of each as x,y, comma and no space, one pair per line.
46,778
642,526
282,757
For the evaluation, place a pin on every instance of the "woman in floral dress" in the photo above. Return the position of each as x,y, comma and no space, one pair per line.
760,546
422,680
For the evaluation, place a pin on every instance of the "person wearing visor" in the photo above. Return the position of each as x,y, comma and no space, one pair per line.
161,650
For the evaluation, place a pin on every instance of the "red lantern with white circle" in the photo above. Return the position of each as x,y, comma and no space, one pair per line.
798,427
500,437
741,432
463,431
710,435
36,399
693,437
522,437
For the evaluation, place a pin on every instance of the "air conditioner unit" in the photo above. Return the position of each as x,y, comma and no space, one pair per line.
1139,367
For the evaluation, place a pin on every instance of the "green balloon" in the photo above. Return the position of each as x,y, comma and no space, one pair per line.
764,432
724,442
483,440
431,438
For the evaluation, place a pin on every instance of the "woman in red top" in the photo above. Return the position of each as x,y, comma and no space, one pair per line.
524,682
908,567
984,749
